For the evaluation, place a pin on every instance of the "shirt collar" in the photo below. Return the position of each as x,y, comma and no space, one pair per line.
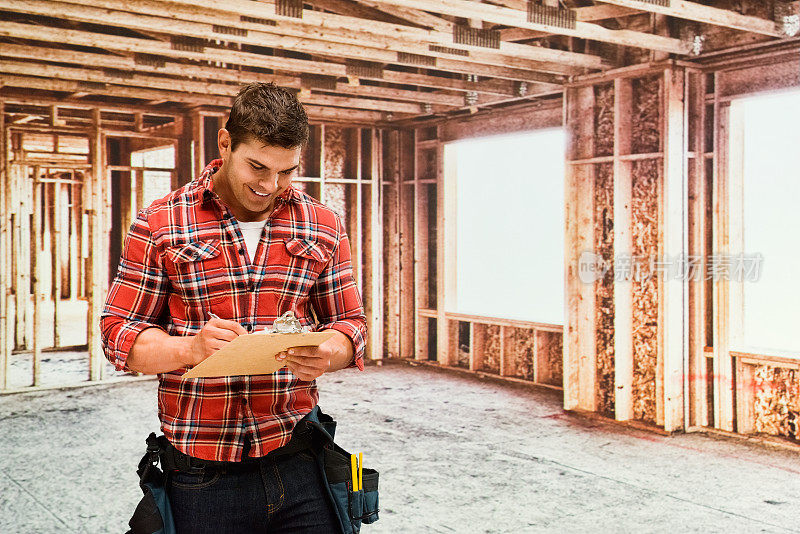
205,185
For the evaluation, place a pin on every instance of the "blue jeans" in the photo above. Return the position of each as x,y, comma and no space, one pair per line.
274,495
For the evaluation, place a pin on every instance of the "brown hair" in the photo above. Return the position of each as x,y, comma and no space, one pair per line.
267,113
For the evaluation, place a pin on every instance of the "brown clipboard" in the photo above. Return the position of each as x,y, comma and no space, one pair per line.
254,354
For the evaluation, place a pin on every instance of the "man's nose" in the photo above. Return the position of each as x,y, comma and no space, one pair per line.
269,183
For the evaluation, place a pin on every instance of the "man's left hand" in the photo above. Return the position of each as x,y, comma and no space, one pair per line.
309,363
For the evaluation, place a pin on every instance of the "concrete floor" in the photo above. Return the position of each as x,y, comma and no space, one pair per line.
455,453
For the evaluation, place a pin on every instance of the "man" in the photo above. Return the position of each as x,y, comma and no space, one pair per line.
242,244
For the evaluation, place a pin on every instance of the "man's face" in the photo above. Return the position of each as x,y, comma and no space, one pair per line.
254,174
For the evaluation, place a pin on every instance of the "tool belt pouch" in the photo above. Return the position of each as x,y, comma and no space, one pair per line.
352,507
153,514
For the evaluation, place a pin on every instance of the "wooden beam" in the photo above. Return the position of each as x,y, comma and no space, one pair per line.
421,18
225,90
585,14
338,28
706,14
514,67
220,74
127,44
519,18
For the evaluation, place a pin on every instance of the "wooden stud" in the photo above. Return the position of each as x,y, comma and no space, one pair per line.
36,273
55,250
723,369
623,248
94,211
376,254
5,239
446,174
580,356
697,199
745,397
674,293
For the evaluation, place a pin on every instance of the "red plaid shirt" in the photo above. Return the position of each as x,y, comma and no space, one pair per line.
184,257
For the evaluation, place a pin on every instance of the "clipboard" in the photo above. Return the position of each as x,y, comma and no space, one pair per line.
254,354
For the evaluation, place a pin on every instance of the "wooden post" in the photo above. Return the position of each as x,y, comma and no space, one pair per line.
723,368
198,151
95,214
55,251
358,238
5,238
698,199
623,249
579,348
36,268
675,245
446,243
322,163
376,254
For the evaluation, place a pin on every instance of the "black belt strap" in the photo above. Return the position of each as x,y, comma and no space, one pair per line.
173,459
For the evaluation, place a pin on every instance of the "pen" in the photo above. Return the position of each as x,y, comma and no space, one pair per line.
354,471
360,471
214,315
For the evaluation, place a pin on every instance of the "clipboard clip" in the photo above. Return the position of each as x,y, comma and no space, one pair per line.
288,324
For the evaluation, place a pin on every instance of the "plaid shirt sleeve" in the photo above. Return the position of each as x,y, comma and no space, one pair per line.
137,296
336,299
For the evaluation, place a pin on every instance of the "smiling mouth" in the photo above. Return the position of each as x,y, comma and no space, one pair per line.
262,195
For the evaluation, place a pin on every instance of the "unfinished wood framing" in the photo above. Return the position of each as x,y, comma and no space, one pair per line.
387,85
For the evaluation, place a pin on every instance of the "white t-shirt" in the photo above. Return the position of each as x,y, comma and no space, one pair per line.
251,231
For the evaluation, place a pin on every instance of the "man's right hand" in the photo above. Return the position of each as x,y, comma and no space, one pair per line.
214,335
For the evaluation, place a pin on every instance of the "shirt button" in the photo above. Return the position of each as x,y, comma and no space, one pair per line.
251,287
244,402
241,252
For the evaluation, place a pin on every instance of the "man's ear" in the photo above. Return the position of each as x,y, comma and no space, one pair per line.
224,143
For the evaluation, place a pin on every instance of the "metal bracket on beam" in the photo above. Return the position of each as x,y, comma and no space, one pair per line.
427,108
663,3
448,50
551,16
697,44
463,34
289,8
471,98
256,20
416,59
318,81
786,16
520,88
363,69
188,44
229,30
150,60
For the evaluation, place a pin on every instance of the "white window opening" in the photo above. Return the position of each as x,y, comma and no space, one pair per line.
507,197
764,191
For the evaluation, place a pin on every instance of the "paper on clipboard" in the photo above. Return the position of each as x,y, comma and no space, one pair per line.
254,354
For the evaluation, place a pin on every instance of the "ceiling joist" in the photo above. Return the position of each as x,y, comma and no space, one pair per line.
706,14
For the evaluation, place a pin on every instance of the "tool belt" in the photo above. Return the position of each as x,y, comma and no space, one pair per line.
353,505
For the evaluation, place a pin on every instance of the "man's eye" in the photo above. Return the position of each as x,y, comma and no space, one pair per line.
286,173
256,167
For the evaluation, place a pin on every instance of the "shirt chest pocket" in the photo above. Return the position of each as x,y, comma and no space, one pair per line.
198,272
307,258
